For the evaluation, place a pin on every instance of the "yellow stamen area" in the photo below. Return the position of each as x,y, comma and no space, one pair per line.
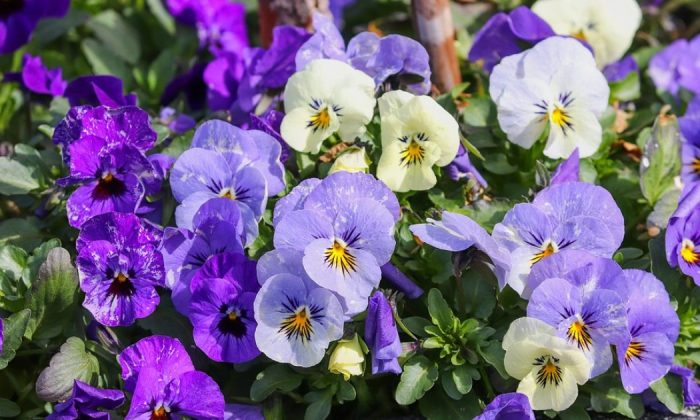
159,414
695,166
560,117
634,351
547,250
298,324
228,193
232,316
579,35
338,256
689,253
578,333
108,177
121,278
321,119
549,372
413,154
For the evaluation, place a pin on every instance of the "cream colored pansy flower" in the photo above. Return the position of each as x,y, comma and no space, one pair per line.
548,367
328,96
608,26
417,133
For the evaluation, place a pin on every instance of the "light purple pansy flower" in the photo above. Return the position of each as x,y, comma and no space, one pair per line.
87,402
270,122
221,308
683,234
568,170
38,79
508,34
221,26
243,412
217,227
581,306
646,353
395,60
222,77
344,228
98,90
456,232
165,384
690,146
677,66
461,167
18,18
381,335
119,266
619,70
296,318
178,123
691,389
510,406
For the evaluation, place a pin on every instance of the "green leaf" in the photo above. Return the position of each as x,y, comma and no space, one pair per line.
52,296
661,160
438,406
162,15
669,390
320,406
462,377
346,392
479,112
659,265
161,72
440,312
477,289
617,400
13,261
9,409
448,385
274,378
416,325
21,232
627,89
103,61
494,355
16,178
49,29
13,331
419,375
72,362
117,35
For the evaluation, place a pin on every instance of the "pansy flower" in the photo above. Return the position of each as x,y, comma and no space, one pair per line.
221,309
555,84
417,134
646,352
344,233
568,170
689,125
572,215
676,67
217,227
505,34
381,335
548,367
607,26
38,79
461,167
87,402
296,318
177,123
683,234
119,266
98,90
326,97
510,406
18,18
159,373
587,315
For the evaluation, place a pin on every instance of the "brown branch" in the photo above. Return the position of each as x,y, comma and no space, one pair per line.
433,22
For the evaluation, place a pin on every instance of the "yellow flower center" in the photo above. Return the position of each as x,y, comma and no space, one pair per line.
298,324
232,316
228,193
634,351
580,35
108,177
549,372
548,248
695,166
121,278
321,119
413,154
338,256
159,414
578,333
561,118
689,253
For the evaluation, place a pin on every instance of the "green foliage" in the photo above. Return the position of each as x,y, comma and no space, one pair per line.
419,376
55,383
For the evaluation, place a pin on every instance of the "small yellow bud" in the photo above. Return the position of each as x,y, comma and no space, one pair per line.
354,159
348,358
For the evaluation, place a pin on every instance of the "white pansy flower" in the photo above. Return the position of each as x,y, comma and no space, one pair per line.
557,84
328,96
548,367
354,159
608,26
417,133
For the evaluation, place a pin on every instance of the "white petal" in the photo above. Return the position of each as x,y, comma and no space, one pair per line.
392,101
295,130
550,397
400,177
517,110
585,134
587,85
524,328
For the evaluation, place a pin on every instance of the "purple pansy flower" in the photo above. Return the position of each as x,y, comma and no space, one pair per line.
568,170
456,232
216,228
344,228
508,34
691,390
222,77
510,406
296,318
221,308
191,84
619,70
119,266
184,11
683,234
580,304
677,66
381,335
690,145
18,18
125,125
270,122
98,90
38,79
221,26
164,383
396,60
178,123
400,281
646,353
267,70
461,167
87,402
111,179
243,412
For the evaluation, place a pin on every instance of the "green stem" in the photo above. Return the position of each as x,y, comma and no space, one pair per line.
487,383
